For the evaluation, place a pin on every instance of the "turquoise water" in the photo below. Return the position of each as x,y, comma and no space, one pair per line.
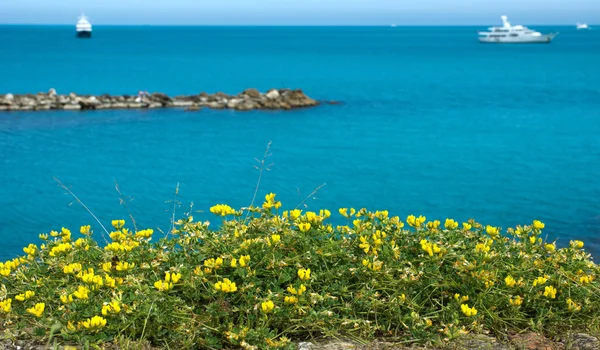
432,123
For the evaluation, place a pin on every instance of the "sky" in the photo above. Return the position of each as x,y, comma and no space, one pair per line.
300,12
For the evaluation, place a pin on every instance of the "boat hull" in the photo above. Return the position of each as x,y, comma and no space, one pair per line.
84,34
542,39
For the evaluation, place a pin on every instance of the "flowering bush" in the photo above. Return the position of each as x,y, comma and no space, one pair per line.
265,277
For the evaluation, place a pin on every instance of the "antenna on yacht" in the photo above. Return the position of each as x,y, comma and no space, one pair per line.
505,21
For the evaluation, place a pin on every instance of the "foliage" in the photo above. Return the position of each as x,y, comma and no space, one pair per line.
263,278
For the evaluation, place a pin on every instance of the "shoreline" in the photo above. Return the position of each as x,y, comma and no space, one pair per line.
249,99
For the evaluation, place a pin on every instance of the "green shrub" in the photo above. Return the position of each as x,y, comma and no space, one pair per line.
264,278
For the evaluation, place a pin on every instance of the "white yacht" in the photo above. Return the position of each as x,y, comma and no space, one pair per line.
83,27
582,26
509,34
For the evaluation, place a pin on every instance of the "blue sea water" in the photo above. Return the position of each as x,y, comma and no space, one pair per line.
432,123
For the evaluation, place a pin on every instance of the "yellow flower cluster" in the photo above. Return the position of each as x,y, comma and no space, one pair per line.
124,266
344,212
576,244
118,224
144,233
516,301
294,291
494,232
222,210
373,266
484,247
267,306
73,268
125,246
37,310
450,224
30,250
90,277
550,292
430,248
433,225
114,307
290,299
539,281
226,286
468,311
413,221
61,248
6,305
510,281
304,274
25,296
304,227
94,323
270,202
573,306
461,299
274,239
82,293
167,283
212,264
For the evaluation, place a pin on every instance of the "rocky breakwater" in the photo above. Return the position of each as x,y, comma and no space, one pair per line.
250,99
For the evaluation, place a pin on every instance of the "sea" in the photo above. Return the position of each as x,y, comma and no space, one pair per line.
430,122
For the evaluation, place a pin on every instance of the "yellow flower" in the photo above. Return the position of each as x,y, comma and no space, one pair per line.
290,300
324,213
301,289
107,266
510,281
82,243
492,231
304,227
483,247
538,225
295,214
112,282
381,215
270,202
244,260
222,210
85,230
550,292
275,239
573,306
467,226
30,249
118,236
6,305
551,248
144,233
585,280
118,224
460,299
234,262
430,248
4,270
114,307
450,224
175,277
66,298
226,286
532,239
517,301
364,245
43,236
304,274
468,311
433,225
539,281
25,296
267,306
124,266
72,268
576,244
70,326
163,286
94,323
65,235
312,217
37,310
413,221
81,292
60,249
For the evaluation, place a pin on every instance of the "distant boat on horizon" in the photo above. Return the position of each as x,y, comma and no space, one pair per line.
509,34
582,26
83,27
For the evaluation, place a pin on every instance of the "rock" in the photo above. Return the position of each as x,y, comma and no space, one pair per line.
52,92
273,94
582,341
203,94
72,95
41,107
252,93
222,95
234,102
71,107
160,97
155,105
532,341
245,106
216,105
135,105
192,108
477,342
119,105
182,103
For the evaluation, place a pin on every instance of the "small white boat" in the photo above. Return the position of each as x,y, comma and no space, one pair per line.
83,28
582,26
509,34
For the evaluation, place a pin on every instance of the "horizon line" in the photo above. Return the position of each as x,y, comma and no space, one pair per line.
279,25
